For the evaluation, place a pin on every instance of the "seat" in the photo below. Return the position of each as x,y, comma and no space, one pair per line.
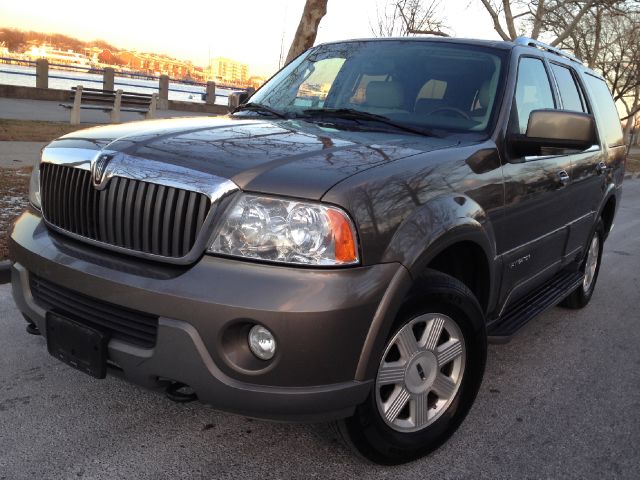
384,95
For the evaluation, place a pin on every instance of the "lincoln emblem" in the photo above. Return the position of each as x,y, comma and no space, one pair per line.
99,169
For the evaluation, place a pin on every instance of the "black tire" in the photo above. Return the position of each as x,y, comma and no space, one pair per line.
580,298
367,432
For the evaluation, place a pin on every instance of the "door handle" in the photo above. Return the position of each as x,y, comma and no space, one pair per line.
602,168
563,177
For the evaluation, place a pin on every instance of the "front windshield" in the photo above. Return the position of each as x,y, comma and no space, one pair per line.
422,84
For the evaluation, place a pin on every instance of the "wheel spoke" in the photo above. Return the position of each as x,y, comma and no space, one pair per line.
420,409
449,351
407,342
390,374
432,333
443,386
397,404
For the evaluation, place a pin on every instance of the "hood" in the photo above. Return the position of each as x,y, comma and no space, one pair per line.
285,157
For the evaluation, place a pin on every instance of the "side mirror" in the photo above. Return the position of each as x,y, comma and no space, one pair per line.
555,129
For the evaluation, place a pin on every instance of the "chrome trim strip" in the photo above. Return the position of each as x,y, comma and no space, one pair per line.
533,158
151,171
143,169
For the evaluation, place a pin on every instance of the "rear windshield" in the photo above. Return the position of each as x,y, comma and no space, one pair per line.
609,125
421,84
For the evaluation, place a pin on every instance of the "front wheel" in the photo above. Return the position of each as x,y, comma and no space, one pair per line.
427,377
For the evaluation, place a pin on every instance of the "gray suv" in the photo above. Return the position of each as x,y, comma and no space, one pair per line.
341,246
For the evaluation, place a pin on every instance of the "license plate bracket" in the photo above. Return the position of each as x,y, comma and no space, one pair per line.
82,347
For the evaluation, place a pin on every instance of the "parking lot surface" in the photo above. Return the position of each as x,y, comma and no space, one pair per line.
562,400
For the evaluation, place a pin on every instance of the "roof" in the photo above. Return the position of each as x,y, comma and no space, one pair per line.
499,44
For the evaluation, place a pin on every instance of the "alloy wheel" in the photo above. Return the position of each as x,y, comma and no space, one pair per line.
420,372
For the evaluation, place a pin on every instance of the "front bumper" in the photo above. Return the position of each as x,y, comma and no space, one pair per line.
321,319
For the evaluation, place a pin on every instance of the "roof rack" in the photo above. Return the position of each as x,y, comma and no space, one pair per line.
530,42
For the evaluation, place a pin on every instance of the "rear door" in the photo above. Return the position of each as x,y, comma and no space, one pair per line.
533,234
587,175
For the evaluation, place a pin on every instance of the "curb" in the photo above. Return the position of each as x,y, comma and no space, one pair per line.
628,176
5,272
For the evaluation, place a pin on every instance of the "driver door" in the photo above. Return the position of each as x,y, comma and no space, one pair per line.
533,235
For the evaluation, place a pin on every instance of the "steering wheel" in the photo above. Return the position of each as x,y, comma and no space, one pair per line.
455,110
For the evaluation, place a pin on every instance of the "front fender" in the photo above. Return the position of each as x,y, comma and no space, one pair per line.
436,225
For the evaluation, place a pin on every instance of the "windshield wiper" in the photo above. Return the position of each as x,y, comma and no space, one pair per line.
258,107
352,113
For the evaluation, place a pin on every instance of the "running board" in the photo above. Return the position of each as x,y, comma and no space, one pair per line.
546,296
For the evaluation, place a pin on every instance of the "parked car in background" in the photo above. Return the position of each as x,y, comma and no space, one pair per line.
340,247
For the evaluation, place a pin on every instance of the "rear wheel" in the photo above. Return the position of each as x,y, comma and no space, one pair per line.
581,296
427,377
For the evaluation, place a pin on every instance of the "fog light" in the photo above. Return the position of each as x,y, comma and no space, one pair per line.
262,343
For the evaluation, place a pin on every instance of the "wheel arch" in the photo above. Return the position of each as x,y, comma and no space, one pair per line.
608,212
464,239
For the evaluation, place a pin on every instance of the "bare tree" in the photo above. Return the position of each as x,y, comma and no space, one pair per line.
402,18
608,41
307,30
512,18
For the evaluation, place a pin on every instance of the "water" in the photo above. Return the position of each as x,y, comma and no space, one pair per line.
25,76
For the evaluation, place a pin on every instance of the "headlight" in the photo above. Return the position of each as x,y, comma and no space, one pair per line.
288,231
34,187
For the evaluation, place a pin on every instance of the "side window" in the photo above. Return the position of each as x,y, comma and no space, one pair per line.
533,90
314,89
609,121
571,98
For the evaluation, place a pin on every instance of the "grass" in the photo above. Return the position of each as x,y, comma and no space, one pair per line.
14,185
35,131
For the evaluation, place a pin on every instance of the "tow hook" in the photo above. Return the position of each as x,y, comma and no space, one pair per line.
180,393
32,329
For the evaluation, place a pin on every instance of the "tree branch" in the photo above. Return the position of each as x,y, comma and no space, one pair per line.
496,20
571,27
508,16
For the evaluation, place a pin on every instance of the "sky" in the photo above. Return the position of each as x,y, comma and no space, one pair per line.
250,31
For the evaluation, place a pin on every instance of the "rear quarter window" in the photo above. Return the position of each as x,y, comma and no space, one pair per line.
608,121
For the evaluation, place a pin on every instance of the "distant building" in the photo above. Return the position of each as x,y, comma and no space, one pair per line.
156,64
227,71
256,81
57,56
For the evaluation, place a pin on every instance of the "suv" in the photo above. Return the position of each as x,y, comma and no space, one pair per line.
340,247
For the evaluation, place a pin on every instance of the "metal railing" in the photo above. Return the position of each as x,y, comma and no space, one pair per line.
117,74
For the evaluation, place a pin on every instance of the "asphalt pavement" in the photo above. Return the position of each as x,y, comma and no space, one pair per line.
562,400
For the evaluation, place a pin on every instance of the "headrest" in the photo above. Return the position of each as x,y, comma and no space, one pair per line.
384,94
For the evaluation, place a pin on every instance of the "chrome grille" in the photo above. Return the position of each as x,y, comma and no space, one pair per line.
131,214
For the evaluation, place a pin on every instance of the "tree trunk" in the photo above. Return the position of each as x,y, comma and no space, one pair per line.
313,12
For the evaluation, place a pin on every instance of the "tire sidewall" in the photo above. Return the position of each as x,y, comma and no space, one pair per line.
386,445
598,230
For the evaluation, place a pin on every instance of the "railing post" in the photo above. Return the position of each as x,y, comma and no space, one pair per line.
75,110
211,93
115,113
42,73
152,106
163,93
108,79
